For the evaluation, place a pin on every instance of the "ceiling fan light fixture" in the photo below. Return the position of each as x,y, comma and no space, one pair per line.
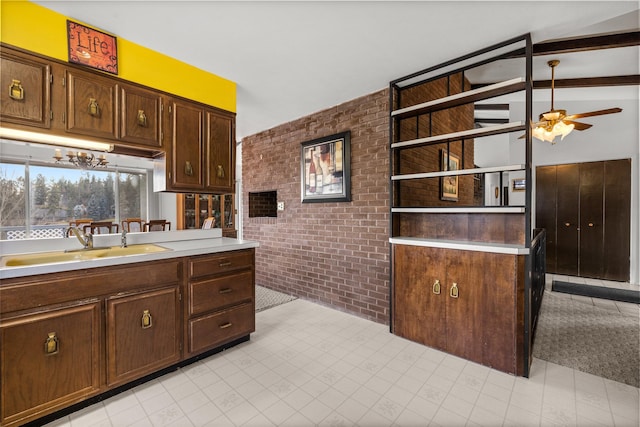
549,132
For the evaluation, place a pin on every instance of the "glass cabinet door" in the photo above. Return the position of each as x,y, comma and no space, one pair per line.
228,211
189,211
203,208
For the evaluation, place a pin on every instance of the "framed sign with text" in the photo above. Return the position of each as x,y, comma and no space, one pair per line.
92,48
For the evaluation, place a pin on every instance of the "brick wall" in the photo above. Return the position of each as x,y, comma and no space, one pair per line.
335,254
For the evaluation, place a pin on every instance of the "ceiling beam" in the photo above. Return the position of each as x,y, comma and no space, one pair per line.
589,82
583,44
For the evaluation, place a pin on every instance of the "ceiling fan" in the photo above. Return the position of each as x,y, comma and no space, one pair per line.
556,122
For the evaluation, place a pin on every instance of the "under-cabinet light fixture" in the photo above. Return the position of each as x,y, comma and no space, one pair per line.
27,136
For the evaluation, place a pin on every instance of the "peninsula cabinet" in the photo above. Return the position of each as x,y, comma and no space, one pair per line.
462,302
25,97
69,337
458,279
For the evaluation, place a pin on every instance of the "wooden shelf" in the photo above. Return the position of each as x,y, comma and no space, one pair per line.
489,91
458,172
465,134
499,248
479,209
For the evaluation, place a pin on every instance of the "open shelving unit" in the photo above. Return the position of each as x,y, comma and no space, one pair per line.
444,234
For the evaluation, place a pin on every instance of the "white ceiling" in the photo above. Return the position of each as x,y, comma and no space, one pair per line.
292,58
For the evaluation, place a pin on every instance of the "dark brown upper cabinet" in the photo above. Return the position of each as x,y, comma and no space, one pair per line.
91,105
141,116
200,156
219,148
25,98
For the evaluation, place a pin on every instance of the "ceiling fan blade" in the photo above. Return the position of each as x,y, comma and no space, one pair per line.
577,125
593,113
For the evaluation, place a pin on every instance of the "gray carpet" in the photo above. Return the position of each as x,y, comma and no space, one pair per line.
590,339
267,298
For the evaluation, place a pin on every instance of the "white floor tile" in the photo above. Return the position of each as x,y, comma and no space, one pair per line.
309,365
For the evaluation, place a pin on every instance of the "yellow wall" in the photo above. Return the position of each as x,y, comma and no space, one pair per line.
41,30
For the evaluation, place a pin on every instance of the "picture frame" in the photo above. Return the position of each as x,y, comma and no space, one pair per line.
518,184
325,169
92,48
449,184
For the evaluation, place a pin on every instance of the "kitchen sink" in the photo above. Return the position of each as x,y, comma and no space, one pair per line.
19,260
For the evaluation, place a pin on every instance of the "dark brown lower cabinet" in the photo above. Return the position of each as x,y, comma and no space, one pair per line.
50,359
586,210
465,303
143,333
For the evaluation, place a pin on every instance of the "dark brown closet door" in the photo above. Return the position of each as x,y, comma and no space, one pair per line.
591,219
546,209
568,200
617,215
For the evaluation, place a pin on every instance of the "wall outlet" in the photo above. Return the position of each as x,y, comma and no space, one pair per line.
280,206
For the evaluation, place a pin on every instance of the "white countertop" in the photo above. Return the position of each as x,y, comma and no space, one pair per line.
180,244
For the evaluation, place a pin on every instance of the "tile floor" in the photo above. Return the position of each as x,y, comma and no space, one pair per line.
621,307
309,365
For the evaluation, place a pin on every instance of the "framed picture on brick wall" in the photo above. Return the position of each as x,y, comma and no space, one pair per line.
449,183
326,169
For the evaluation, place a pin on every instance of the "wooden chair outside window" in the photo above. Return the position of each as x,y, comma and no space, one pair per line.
157,225
209,223
101,227
133,225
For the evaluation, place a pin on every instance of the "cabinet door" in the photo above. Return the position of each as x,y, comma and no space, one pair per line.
219,164
140,121
419,302
464,301
49,360
25,95
186,146
91,105
143,334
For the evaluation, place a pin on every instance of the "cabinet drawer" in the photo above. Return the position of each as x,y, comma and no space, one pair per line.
216,329
49,360
216,264
220,292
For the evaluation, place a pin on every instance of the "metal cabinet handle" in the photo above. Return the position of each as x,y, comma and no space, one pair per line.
16,91
225,291
188,168
226,325
94,108
220,171
225,264
454,292
147,321
142,118
51,345
436,287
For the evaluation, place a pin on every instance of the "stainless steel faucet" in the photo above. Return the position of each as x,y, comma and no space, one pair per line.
123,239
86,239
